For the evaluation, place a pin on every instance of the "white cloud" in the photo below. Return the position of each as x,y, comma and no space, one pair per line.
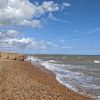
50,6
33,23
23,12
52,44
28,43
8,34
15,11
20,43
10,40
64,5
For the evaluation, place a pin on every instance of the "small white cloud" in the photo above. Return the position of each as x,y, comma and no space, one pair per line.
64,5
89,32
65,47
62,41
52,44
8,34
93,31
75,39
33,23
52,17
50,6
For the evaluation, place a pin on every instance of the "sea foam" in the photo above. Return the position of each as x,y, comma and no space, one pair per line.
96,61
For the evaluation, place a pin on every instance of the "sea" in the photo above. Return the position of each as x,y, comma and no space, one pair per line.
80,73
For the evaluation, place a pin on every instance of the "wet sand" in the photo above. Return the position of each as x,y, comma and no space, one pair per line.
24,81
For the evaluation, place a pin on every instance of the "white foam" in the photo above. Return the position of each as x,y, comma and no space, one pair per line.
49,66
96,61
59,77
70,78
52,61
33,59
98,98
79,57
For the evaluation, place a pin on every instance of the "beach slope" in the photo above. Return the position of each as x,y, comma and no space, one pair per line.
24,81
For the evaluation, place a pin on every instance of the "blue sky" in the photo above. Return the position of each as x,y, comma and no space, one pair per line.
72,28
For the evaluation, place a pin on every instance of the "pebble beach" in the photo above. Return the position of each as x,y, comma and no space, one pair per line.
20,80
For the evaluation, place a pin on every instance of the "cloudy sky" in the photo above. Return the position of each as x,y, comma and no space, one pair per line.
50,26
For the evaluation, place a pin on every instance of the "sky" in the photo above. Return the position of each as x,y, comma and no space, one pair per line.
50,26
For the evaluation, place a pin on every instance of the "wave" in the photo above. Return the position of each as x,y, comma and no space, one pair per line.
96,61
32,59
74,80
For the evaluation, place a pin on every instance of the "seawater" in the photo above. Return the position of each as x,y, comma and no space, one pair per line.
78,73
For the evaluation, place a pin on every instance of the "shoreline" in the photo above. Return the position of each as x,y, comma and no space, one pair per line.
23,80
42,68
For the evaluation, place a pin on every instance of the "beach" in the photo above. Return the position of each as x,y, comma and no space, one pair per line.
21,80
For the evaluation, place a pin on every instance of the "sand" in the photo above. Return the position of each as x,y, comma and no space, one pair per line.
24,81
